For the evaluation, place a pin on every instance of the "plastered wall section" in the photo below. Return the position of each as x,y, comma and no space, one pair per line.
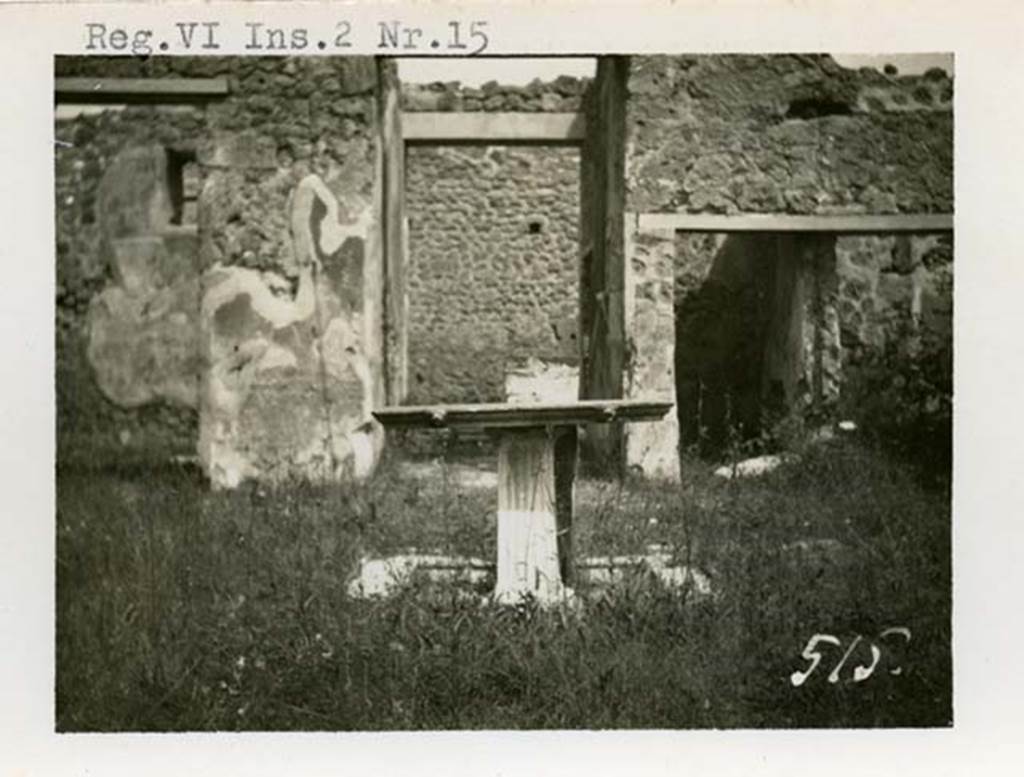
127,289
651,448
278,304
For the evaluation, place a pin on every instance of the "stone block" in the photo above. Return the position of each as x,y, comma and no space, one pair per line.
416,98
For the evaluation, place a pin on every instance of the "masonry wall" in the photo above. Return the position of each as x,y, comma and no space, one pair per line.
491,272
110,193
795,135
562,95
493,244
786,134
218,275
220,265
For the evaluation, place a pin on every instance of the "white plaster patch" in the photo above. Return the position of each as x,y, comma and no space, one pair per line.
228,468
608,570
276,357
759,465
380,577
331,441
541,381
363,444
333,233
224,284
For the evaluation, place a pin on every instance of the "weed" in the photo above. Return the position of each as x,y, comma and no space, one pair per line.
179,608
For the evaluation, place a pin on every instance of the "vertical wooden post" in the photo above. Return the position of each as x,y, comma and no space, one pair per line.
783,355
536,467
391,147
602,269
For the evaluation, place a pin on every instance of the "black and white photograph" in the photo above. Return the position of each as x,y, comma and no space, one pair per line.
613,394
493,389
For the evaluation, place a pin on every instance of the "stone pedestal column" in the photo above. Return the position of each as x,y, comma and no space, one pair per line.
536,468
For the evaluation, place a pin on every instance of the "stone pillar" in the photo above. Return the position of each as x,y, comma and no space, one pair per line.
651,448
290,376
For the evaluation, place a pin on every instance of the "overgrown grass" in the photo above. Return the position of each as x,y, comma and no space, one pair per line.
184,609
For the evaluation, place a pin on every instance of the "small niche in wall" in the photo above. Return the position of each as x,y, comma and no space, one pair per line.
182,185
536,225
816,107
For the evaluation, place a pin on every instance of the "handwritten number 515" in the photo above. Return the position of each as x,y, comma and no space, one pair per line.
861,672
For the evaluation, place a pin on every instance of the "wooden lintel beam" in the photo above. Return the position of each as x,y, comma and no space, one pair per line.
482,127
110,90
781,222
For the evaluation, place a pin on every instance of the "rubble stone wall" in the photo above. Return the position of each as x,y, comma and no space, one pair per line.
493,246
179,227
786,134
562,95
794,135
219,263
492,265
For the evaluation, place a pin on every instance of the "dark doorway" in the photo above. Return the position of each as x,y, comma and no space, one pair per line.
743,303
